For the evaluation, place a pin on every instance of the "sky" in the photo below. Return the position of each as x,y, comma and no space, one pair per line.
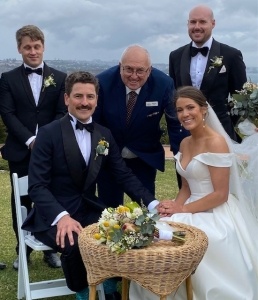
102,29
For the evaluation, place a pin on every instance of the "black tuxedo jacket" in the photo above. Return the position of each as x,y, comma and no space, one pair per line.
59,179
216,84
20,113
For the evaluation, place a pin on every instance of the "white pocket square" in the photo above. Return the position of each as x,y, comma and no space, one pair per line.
223,69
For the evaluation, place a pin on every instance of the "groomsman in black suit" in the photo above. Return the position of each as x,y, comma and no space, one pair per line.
31,96
64,167
195,64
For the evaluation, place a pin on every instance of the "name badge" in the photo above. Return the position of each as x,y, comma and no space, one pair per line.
152,103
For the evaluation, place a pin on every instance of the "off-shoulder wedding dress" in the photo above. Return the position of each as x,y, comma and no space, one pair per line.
228,270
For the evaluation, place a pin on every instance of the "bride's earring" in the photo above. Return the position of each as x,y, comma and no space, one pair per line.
181,128
203,125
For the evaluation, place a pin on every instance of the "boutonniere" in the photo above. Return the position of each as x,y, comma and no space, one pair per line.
102,148
216,62
48,81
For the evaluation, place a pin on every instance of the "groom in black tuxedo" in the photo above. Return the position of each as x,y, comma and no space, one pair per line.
191,65
30,97
64,167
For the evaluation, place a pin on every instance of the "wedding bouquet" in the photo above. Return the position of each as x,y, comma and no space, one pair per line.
129,226
245,105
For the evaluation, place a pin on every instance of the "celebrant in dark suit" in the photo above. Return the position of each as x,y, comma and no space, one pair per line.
136,128
66,160
31,96
195,64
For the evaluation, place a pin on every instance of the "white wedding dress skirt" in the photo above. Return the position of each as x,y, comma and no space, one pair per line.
227,271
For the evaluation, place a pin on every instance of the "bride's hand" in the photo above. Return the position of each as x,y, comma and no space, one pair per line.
256,129
167,208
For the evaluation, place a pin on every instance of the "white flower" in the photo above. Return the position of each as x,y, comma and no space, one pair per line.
102,148
216,61
48,81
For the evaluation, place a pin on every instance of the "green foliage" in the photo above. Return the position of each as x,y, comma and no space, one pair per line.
2,131
163,125
3,166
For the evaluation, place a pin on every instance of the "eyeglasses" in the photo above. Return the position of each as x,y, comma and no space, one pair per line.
130,71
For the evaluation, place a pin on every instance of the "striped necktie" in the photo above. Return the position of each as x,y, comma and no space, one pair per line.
130,105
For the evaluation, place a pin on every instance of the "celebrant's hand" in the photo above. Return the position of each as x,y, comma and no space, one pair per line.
66,226
256,129
167,208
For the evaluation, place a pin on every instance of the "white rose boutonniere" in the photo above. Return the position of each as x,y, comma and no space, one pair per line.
216,62
48,81
102,148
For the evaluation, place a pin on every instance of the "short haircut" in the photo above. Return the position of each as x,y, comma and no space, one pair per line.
31,31
80,77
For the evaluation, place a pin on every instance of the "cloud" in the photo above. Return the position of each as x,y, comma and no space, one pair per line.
101,29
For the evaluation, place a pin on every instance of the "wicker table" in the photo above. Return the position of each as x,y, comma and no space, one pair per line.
160,267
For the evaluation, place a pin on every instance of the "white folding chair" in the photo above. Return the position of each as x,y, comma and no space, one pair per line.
41,289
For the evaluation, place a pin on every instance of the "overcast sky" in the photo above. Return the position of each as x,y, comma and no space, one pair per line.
102,29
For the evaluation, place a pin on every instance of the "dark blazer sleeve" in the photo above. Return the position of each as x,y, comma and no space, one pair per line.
8,109
123,175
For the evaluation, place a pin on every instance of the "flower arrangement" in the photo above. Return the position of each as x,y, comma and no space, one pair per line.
128,226
216,62
245,102
102,148
48,81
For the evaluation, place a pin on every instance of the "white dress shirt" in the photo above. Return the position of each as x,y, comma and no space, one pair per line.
198,65
83,138
36,85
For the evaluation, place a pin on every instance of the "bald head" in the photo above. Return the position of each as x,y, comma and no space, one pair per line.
135,66
201,9
136,52
200,24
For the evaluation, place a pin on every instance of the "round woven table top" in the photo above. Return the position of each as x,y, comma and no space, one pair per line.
160,267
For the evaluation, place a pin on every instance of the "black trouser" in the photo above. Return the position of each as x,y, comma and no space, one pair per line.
72,264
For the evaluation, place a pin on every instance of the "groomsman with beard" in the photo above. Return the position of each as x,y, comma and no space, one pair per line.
217,69
195,64
32,95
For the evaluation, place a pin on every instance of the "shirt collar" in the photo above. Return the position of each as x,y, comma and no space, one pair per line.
206,44
129,90
40,66
74,120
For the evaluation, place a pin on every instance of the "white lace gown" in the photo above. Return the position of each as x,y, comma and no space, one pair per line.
227,270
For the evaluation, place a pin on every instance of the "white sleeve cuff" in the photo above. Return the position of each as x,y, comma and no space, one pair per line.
30,140
63,213
152,205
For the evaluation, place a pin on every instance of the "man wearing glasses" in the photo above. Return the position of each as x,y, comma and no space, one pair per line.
132,99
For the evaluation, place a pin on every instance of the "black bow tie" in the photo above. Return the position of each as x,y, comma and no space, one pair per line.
37,71
203,50
88,126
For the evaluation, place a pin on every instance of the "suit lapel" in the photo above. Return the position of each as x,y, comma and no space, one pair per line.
209,77
121,91
74,158
46,73
94,162
26,85
185,66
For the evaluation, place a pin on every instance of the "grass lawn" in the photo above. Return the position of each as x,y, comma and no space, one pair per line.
166,187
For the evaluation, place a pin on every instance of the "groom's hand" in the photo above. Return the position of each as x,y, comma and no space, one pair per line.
66,226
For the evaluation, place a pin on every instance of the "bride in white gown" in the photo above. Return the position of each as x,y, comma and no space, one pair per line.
211,199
